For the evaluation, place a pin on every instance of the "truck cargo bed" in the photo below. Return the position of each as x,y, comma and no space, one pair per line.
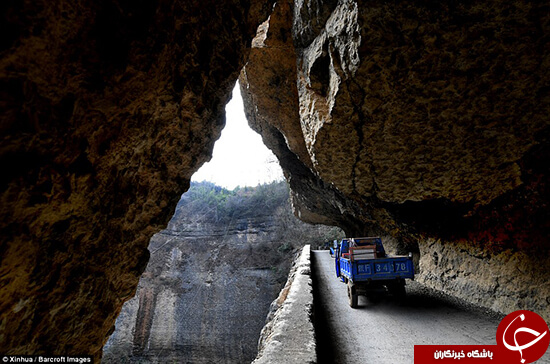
377,269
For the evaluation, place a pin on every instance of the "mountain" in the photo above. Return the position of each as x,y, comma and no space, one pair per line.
212,276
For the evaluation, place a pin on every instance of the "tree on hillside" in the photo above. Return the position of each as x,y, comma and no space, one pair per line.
206,202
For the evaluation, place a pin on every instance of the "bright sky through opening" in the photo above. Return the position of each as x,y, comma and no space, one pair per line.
239,158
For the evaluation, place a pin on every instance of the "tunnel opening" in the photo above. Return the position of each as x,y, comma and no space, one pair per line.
105,122
240,158
221,261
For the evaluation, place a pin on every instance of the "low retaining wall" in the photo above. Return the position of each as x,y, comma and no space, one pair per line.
289,335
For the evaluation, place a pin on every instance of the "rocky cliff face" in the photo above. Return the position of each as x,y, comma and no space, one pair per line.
107,110
208,287
425,122
201,300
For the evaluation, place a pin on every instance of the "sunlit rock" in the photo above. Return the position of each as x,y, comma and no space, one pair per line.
427,123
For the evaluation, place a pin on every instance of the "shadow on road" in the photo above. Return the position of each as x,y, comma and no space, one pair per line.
325,350
385,330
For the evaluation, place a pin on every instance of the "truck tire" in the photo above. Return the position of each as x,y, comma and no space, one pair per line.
352,296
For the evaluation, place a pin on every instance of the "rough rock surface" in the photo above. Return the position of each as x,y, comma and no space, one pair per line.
212,276
107,109
289,335
425,122
201,299
505,281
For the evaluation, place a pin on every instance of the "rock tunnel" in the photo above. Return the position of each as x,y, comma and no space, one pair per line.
424,122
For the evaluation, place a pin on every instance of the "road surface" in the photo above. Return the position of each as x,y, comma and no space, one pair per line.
386,331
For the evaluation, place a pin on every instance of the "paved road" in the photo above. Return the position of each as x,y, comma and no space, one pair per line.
386,332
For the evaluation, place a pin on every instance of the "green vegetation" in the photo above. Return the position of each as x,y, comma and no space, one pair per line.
208,203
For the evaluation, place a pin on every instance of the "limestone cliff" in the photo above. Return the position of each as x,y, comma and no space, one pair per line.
201,300
212,276
423,121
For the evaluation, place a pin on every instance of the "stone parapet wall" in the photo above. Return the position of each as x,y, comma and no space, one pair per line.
289,335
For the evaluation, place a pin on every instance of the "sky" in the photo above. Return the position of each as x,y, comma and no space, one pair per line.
239,158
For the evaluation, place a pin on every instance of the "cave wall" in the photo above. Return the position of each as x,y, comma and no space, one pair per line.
107,109
418,120
424,122
503,281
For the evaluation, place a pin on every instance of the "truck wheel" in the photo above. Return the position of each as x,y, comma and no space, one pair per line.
352,296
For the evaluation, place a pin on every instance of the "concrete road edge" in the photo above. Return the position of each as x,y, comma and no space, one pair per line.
289,335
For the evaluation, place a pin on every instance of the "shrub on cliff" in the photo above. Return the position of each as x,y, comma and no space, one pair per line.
209,203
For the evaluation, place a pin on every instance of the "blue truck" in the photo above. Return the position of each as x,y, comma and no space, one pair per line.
364,266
